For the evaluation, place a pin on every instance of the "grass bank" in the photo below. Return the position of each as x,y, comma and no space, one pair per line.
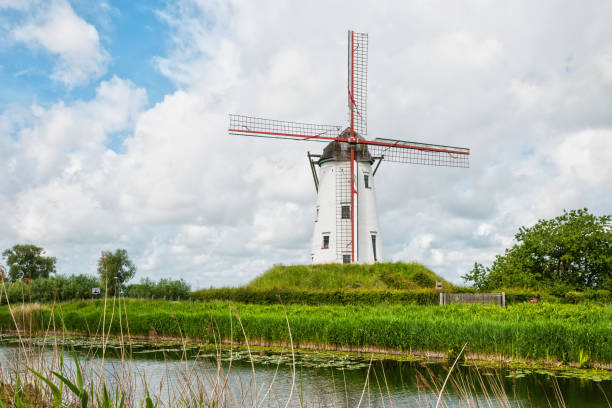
566,333
336,284
335,276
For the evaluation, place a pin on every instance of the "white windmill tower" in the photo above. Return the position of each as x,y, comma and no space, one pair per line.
346,223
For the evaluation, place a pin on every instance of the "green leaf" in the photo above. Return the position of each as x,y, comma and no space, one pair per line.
19,403
84,399
68,383
148,401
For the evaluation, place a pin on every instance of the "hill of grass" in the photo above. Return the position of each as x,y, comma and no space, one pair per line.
338,276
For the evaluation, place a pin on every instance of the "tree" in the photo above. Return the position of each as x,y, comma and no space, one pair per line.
28,261
478,276
573,250
115,267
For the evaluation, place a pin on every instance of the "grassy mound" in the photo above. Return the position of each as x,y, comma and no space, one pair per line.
338,276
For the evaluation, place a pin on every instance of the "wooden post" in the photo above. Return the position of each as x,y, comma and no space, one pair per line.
503,299
441,298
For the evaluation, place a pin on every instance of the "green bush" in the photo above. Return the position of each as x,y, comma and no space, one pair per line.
314,297
601,295
423,280
515,295
61,288
164,289
381,296
56,288
574,296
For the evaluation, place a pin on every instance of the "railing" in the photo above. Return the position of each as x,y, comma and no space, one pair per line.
481,298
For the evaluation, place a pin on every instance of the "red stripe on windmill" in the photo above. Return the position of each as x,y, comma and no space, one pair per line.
346,225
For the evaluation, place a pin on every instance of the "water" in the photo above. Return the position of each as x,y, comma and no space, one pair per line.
173,372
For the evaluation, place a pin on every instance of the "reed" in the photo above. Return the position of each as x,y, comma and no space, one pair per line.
549,332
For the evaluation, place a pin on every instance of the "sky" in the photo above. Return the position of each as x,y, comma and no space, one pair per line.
114,117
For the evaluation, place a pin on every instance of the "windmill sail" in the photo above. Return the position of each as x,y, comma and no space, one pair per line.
358,82
402,151
241,125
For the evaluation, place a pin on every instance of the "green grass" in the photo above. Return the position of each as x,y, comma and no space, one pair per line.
339,276
559,332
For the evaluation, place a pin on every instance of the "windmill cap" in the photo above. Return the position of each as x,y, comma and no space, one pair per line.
340,151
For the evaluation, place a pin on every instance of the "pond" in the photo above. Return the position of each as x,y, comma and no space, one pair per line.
175,372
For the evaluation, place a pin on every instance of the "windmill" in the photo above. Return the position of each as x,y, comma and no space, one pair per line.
346,225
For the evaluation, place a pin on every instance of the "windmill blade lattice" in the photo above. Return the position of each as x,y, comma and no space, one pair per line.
241,125
401,151
358,82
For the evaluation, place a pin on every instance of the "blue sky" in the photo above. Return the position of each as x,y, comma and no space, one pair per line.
113,126
131,32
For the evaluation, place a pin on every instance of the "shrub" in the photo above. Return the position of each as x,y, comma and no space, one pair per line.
313,297
164,289
423,280
61,288
574,296
56,288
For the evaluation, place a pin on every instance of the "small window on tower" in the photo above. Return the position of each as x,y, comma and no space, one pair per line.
346,259
317,216
366,180
325,242
346,212
374,247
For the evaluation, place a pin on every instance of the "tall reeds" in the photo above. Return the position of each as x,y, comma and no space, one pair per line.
576,334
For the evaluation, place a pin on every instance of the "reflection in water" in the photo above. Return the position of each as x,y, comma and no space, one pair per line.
321,379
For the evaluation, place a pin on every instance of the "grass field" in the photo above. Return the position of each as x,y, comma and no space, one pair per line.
567,333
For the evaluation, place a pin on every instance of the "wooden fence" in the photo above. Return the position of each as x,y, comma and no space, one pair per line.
482,298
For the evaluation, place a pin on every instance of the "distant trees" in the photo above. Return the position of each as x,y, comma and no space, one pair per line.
573,250
29,280
28,261
164,289
56,288
115,268
76,287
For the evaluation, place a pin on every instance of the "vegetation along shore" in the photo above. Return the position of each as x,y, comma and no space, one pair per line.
565,333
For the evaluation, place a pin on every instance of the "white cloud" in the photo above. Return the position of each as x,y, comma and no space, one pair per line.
61,137
57,177
584,158
529,95
54,27
604,64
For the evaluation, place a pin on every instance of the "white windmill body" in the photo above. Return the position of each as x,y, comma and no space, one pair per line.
331,241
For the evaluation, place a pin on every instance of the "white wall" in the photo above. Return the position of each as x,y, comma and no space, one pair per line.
367,216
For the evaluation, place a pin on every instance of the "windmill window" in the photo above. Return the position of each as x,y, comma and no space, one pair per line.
346,212
346,259
325,242
366,180
317,216
374,247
